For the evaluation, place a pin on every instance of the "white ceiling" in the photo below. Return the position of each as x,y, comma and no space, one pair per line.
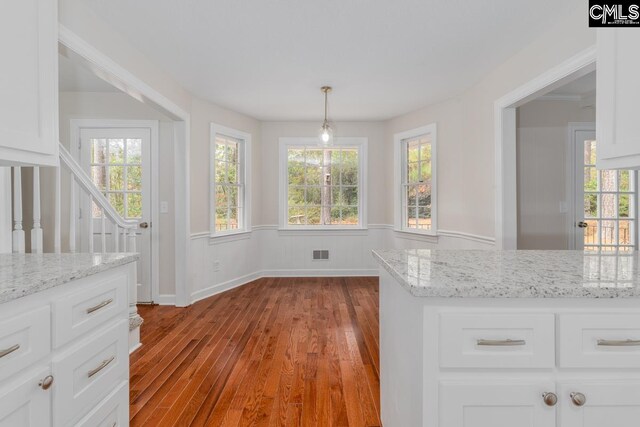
75,78
384,58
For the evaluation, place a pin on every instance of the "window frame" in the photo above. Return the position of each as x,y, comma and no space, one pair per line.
244,163
400,170
360,143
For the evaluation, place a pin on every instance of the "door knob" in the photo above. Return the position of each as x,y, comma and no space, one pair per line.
578,399
144,225
583,224
550,399
46,383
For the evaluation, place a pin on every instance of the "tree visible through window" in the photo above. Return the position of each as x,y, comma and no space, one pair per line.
416,182
323,185
116,169
229,184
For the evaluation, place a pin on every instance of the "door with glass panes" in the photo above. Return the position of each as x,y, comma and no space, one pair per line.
606,202
118,160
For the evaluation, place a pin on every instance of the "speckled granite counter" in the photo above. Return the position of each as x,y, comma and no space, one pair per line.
513,274
26,274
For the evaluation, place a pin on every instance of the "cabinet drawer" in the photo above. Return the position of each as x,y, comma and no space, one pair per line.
24,339
82,312
23,403
112,411
599,341
497,340
87,373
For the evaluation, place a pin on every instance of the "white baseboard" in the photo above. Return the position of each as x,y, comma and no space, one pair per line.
243,280
166,299
221,287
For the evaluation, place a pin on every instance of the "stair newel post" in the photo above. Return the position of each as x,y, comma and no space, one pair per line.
18,232
36,231
57,246
73,214
116,237
90,220
132,240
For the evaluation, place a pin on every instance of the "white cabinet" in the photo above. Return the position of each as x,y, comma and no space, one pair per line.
24,403
496,405
618,99
29,82
615,404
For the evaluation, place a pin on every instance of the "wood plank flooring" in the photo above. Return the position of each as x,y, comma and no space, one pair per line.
275,352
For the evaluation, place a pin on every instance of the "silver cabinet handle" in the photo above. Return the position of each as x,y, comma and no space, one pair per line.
578,399
101,367
9,350
619,343
501,343
99,306
550,399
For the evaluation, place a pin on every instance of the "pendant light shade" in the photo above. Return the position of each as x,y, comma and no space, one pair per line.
325,132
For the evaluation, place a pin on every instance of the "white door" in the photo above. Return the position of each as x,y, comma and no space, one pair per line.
118,160
605,201
600,404
26,404
496,405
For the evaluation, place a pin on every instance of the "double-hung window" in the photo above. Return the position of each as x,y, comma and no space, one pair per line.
230,151
416,178
322,186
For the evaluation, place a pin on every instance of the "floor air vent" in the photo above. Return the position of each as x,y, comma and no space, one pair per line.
320,254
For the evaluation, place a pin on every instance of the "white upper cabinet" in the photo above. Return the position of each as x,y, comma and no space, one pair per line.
29,82
618,98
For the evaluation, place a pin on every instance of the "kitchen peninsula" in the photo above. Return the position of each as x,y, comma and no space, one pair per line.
472,338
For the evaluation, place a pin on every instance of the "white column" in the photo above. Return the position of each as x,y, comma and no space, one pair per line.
18,232
116,237
57,246
89,217
132,240
5,210
103,231
36,231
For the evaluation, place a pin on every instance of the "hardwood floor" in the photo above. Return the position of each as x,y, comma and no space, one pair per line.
278,351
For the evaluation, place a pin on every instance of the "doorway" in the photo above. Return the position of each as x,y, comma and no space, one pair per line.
605,201
119,157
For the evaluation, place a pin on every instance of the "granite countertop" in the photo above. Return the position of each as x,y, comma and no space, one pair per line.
26,274
513,274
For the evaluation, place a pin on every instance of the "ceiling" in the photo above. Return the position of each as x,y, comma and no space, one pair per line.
579,87
73,77
268,59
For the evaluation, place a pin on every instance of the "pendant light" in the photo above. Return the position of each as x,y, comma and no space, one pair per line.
326,132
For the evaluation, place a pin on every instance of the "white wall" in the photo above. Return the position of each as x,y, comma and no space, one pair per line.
542,153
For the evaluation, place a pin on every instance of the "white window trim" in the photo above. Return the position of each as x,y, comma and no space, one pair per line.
399,225
245,137
285,143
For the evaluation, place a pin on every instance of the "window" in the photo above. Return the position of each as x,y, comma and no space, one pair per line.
322,186
416,178
229,171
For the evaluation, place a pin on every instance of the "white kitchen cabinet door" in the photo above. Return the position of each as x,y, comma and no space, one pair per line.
29,82
482,404
25,403
614,404
618,99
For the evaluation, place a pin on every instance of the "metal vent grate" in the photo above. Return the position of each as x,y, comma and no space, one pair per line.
320,254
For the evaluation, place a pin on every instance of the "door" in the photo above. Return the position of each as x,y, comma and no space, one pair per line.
605,201
600,404
26,403
118,160
29,82
497,405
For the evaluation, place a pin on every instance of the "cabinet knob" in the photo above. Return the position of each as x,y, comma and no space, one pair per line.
550,399
46,383
578,399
